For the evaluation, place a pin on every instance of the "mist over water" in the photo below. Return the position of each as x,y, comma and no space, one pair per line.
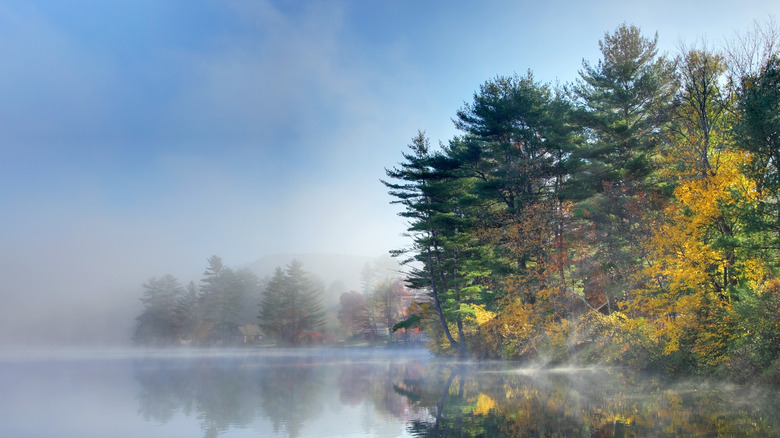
141,138
371,392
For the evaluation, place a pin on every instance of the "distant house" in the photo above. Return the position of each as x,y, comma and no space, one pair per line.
251,332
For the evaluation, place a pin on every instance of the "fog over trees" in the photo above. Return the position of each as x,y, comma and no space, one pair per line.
290,308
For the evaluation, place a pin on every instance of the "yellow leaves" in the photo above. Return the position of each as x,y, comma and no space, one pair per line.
683,250
673,334
756,271
516,319
771,287
484,404
481,315
704,198
615,318
558,331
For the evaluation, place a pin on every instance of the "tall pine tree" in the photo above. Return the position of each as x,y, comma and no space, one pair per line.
423,186
221,298
623,106
157,324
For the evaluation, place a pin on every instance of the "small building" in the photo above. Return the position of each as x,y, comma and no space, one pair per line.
251,332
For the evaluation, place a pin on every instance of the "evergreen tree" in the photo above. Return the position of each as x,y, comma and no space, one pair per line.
272,317
623,106
518,151
157,324
367,278
440,228
292,308
624,102
758,133
221,298
187,310
251,295
303,301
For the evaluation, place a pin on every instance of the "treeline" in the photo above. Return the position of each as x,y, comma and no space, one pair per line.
630,217
290,308
208,313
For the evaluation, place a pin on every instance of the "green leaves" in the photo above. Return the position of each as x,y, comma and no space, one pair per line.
758,130
634,212
409,323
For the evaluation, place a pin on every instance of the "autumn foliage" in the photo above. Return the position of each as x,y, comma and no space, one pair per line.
628,218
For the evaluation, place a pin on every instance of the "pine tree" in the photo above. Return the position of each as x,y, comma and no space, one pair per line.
221,297
517,148
187,311
437,228
303,301
623,106
624,102
158,323
518,151
758,132
272,317
291,309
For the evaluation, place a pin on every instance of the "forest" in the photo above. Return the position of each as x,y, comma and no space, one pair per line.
290,308
628,218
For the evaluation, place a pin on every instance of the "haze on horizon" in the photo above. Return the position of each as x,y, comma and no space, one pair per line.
141,137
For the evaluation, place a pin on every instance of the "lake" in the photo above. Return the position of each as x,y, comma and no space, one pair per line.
355,393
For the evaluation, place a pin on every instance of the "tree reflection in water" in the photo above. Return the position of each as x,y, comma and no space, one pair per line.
486,400
434,398
287,388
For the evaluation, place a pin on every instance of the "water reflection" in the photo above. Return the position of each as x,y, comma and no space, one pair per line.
480,400
432,398
289,389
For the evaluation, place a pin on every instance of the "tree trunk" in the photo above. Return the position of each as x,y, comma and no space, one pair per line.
460,348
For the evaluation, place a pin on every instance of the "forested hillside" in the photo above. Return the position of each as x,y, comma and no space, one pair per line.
631,217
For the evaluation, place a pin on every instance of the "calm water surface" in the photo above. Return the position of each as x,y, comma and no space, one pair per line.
355,393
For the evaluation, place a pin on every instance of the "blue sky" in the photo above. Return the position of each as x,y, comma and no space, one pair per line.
139,137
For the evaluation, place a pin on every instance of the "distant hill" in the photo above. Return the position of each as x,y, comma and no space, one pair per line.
327,267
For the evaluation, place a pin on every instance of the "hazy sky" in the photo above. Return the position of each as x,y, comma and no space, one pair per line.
139,137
